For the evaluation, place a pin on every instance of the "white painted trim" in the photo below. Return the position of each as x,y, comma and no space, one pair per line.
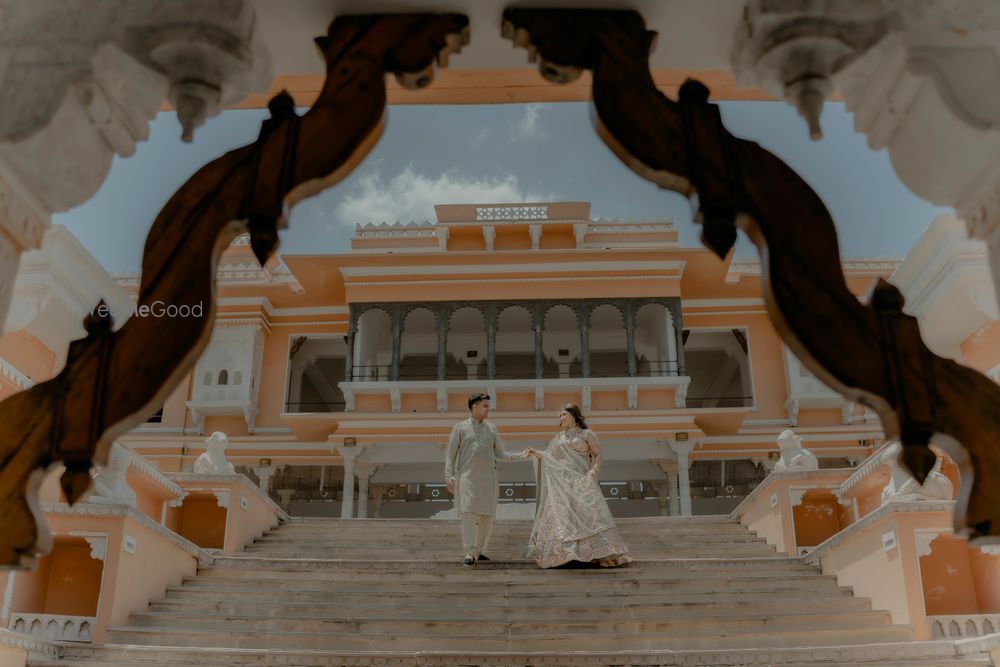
312,310
526,267
720,303
272,311
21,380
337,325
713,313
511,281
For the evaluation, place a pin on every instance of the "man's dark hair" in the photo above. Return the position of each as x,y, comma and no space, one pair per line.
475,398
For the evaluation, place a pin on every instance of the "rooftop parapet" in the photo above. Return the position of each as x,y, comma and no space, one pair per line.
528,226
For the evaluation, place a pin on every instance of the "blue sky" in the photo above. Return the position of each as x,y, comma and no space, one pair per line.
502,153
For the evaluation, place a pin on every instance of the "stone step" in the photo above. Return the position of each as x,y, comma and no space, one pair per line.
491,571
430,540
141,656
694,566
447,622
453,543
815,584
496,552
541,600
419,608
939,653
582,638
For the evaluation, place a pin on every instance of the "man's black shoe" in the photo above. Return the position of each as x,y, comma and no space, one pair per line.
468,562
482,557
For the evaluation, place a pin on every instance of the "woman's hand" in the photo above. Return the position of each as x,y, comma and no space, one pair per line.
531,453
592,473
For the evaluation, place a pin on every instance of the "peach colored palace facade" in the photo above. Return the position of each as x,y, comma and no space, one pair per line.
333,381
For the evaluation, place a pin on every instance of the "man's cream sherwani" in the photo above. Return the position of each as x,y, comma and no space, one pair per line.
472,462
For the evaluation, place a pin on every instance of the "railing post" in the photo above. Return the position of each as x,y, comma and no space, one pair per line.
443,314
583,321
678,318
397,341
352,331
491,341
630,336
537,323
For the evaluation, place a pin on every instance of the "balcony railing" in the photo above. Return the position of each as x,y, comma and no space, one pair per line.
507,371
720,401
316,406
663,392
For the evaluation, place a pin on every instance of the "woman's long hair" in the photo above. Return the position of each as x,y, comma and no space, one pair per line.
577,415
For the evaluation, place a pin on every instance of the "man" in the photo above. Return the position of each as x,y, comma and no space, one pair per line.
471,463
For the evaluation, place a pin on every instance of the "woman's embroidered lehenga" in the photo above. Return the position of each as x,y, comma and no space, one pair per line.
572,519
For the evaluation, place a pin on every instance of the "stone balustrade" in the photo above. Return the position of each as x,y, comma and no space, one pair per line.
56,627
963,625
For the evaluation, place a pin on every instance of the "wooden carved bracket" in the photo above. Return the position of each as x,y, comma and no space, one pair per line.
873,353
113,379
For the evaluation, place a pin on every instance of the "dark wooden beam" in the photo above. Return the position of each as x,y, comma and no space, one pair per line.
114,379
871,353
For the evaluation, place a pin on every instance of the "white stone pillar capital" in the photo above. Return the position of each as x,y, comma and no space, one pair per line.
264,474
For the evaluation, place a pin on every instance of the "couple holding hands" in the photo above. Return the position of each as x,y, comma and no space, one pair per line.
572,519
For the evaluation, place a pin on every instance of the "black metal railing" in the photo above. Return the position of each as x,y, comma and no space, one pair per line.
316,406
719,401
664,368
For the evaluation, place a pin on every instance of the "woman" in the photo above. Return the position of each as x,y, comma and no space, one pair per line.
572,519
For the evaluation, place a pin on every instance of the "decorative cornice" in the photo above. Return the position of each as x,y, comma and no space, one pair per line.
22,216
883,512
509,281
35,645
876,266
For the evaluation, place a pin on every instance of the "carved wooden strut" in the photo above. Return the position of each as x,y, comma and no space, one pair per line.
113,379
873,353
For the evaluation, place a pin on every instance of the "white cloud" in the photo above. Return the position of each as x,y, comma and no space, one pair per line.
481,138
412,196
527,126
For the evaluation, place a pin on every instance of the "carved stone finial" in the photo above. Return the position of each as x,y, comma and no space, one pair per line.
111,483
214,461
792,49
902,486
793,456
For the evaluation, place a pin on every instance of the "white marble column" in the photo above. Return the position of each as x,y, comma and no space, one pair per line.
349,454
662,497
347,505
683,450
364,472
669,468
378,497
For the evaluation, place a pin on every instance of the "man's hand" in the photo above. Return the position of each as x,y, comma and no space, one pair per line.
451,485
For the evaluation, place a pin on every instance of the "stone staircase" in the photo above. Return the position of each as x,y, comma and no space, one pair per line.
384,592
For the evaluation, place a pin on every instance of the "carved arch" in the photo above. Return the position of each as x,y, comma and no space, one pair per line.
109,384
871,353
